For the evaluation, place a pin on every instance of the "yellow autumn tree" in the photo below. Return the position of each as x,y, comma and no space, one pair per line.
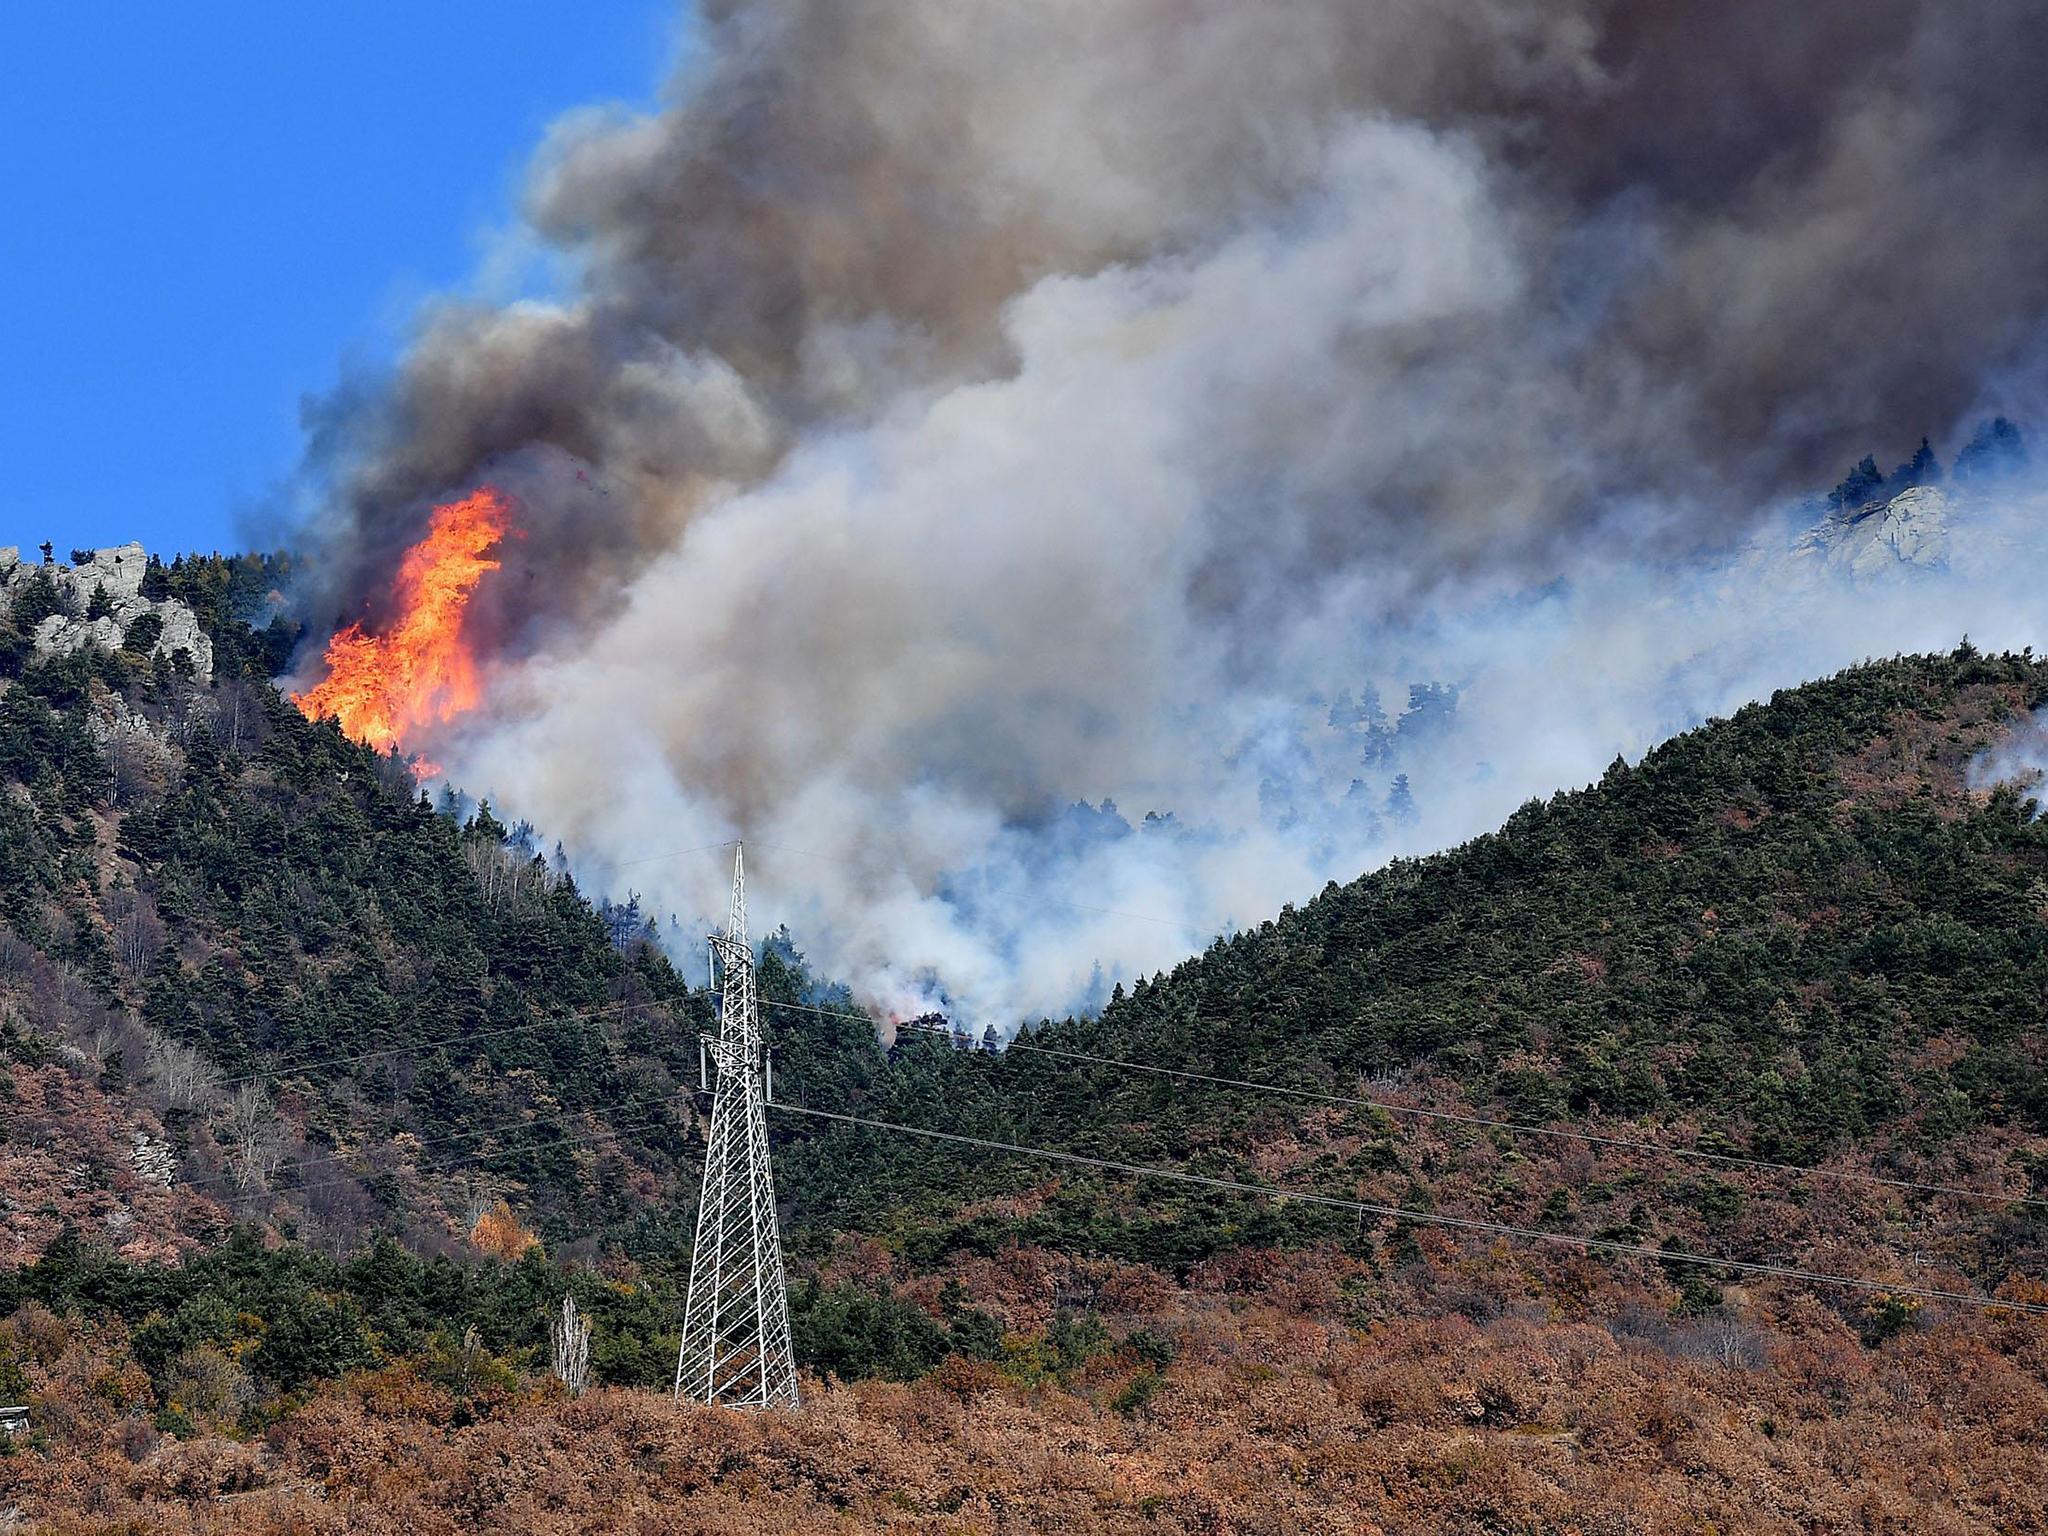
499,1233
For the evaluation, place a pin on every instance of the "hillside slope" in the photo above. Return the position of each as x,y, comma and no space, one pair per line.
250,976
248,959
1796,936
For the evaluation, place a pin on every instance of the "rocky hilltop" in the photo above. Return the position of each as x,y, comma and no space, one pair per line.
1921,518
99,600
1909,530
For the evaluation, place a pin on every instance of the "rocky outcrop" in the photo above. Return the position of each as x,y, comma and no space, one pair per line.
1910,531
101,603
156,1161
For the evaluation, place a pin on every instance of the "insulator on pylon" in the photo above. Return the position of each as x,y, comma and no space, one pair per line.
703,1067
768,1077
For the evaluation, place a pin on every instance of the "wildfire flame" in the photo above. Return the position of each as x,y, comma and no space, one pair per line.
381,688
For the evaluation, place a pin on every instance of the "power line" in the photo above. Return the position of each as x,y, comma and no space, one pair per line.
1593,1138
445,1166
1725,1159
1430,1218
1265,1191
1596,1138
653,858
825,858
289,1068
336,1157
437,1141
1273,1192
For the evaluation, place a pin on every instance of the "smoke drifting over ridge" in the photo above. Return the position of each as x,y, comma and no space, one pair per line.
966,411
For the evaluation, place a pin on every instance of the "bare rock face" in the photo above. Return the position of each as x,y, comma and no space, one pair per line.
182,632
60,634
1910,531
109,581
156,1162
119,570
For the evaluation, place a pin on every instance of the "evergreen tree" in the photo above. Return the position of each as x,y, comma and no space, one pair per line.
1859,487
1996,451
1401,803
1922,469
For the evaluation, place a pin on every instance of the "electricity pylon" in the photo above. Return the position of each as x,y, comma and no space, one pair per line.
736,1322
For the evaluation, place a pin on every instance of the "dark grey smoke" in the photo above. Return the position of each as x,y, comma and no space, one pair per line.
1750,237
965,408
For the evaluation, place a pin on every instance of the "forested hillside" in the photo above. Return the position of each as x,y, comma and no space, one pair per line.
1795,936
321,1096
240,938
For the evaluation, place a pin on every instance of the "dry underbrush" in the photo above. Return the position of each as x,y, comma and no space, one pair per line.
1267,1421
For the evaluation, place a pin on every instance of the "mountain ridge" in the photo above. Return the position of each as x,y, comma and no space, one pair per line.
1805,933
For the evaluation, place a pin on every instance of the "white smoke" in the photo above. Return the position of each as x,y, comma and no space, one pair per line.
899,876
892,664
2020,759
976,432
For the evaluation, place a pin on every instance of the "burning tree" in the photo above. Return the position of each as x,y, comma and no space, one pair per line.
380,687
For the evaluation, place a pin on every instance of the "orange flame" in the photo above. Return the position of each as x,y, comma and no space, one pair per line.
381,688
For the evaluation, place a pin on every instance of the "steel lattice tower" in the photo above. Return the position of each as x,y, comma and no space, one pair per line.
736,1322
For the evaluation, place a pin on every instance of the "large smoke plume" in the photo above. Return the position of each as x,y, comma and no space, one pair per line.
959,412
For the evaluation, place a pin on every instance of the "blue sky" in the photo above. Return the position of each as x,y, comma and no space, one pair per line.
207,210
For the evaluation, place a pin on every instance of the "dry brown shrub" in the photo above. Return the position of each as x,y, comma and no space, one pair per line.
200,1469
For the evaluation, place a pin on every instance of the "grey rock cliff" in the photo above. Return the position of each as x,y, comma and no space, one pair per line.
116,571
1911,530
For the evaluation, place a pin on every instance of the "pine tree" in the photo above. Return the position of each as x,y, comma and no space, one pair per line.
1997,450
1922,469
1858,488
1401,802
